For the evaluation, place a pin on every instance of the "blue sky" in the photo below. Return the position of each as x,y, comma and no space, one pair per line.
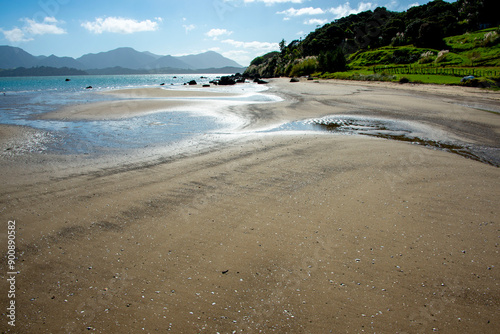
238,29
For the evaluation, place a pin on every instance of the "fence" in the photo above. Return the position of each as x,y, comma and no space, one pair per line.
459,72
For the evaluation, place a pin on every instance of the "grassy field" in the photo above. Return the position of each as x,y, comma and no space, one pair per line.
431,79
369,75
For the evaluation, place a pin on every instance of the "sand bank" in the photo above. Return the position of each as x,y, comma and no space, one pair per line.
137,102
171,93
271,233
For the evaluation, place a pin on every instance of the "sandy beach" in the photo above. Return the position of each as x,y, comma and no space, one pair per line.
267,232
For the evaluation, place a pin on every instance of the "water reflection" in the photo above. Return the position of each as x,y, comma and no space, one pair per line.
405,131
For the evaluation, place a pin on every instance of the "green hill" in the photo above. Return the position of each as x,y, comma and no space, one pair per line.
437,39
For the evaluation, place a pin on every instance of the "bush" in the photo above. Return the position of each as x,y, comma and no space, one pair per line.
426,57
257,61
491,38
305,67
442,56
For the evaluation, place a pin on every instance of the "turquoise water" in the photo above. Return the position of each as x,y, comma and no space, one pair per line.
23,99
98,82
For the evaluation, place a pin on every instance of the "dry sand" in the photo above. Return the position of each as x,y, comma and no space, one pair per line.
272,233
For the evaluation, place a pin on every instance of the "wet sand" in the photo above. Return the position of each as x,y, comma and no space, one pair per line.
295,233
137,102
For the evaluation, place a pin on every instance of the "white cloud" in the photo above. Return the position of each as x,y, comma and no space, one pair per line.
345,9
48,26
272,2
240,56
302,11
316,22
396,6
120,25
260,46
392,5
189,27
215,33
31,28
15,35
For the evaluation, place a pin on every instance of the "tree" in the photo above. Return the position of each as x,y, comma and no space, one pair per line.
332,61
430,36
283,47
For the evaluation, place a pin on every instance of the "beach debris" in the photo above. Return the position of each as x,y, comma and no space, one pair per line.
294,80
67,79
206,85
469,77
88,87
225,272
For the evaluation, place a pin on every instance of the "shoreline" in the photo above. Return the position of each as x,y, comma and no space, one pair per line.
273,232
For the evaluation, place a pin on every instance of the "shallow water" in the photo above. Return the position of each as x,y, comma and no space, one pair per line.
27,98
391,129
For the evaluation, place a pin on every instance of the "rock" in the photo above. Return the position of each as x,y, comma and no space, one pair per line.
227,80
162,84
192,83
206,85
259,81
294,80
67,80
88,87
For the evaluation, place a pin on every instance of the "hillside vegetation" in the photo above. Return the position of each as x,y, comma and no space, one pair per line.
439,42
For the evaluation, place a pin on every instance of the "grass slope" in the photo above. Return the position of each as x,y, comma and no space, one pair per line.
476,53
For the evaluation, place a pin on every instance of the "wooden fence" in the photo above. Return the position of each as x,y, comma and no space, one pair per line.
459,72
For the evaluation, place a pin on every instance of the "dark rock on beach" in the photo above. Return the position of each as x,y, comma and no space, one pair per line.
260,81
227,80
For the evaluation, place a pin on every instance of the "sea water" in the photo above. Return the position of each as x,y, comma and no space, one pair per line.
23,99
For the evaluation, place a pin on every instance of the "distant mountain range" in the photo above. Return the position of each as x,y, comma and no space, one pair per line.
126,60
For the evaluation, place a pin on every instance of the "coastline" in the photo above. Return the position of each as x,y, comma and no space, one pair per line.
273,232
